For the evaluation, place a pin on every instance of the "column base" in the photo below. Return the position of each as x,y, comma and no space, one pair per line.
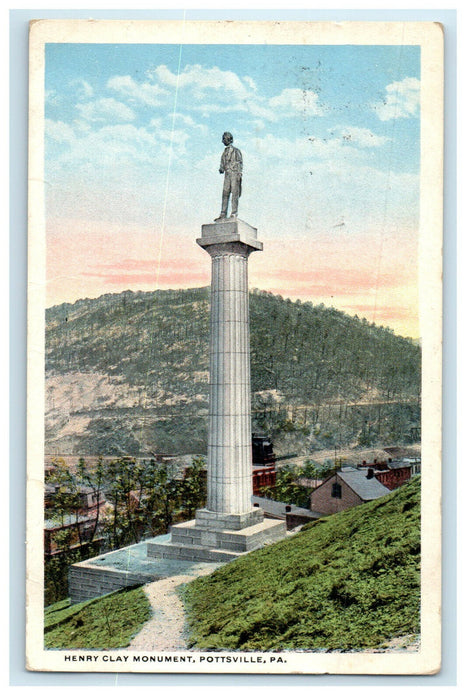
212,520
193,543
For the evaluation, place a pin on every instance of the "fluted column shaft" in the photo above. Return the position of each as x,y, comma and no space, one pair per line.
229,453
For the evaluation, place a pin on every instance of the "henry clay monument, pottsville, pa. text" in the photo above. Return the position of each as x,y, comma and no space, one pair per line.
229,525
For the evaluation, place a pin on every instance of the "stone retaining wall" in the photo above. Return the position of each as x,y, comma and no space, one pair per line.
86,582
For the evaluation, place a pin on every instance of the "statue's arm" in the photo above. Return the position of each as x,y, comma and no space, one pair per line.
239,158
221,170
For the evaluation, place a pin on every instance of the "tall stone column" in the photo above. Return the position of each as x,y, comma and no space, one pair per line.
229,525
229,468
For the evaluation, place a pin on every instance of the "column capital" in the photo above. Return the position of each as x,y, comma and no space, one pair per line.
229,231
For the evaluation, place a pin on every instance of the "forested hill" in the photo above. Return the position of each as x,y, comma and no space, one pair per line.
129,372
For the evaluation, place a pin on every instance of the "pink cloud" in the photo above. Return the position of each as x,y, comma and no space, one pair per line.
382,312
327,280
170,277
129,264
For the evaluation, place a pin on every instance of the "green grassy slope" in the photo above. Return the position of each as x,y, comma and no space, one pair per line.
109,622
348,581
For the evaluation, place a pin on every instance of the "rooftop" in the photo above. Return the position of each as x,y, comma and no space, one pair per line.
278,508
67,520
357,480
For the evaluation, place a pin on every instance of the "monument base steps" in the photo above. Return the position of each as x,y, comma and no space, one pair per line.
192,542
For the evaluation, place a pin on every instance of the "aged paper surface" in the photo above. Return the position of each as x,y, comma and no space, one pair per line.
340,126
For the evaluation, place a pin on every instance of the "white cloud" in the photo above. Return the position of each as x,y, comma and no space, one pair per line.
359,136
251,108
260,110
214,91
289,103
304,152
163,126
106,109
201,80
145,93
83,89
250,82
295,101
58,131
187,120
52,99
208,108
175,137
218,91
401,100
259,125
106,147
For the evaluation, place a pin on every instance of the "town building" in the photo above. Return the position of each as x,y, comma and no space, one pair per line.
395,476
345,489
262,477
393,473
77,528
294,516
73,529
406,456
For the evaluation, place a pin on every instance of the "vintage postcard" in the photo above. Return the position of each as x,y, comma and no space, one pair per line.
234,347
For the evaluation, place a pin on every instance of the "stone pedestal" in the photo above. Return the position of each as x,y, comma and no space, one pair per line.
228,525
203,543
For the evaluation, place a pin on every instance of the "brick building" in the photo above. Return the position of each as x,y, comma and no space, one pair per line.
345,489
392,473
262,477
394,477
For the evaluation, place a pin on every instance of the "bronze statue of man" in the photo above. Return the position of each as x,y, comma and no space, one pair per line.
231,164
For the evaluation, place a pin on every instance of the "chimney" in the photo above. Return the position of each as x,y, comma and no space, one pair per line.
370,473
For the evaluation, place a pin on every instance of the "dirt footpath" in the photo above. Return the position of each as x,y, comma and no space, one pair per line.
165,630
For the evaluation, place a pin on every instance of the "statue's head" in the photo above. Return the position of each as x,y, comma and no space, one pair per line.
227,138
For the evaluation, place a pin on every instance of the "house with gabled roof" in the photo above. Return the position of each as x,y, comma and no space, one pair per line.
345,489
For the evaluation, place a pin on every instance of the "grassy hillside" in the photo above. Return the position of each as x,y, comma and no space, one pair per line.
109,622
128,373
347,581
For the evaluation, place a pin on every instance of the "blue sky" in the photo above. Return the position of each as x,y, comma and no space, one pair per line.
349,81
330,141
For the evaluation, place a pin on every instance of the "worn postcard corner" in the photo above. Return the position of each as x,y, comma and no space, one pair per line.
234,347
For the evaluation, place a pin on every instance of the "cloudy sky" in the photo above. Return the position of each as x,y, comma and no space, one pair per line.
330,142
